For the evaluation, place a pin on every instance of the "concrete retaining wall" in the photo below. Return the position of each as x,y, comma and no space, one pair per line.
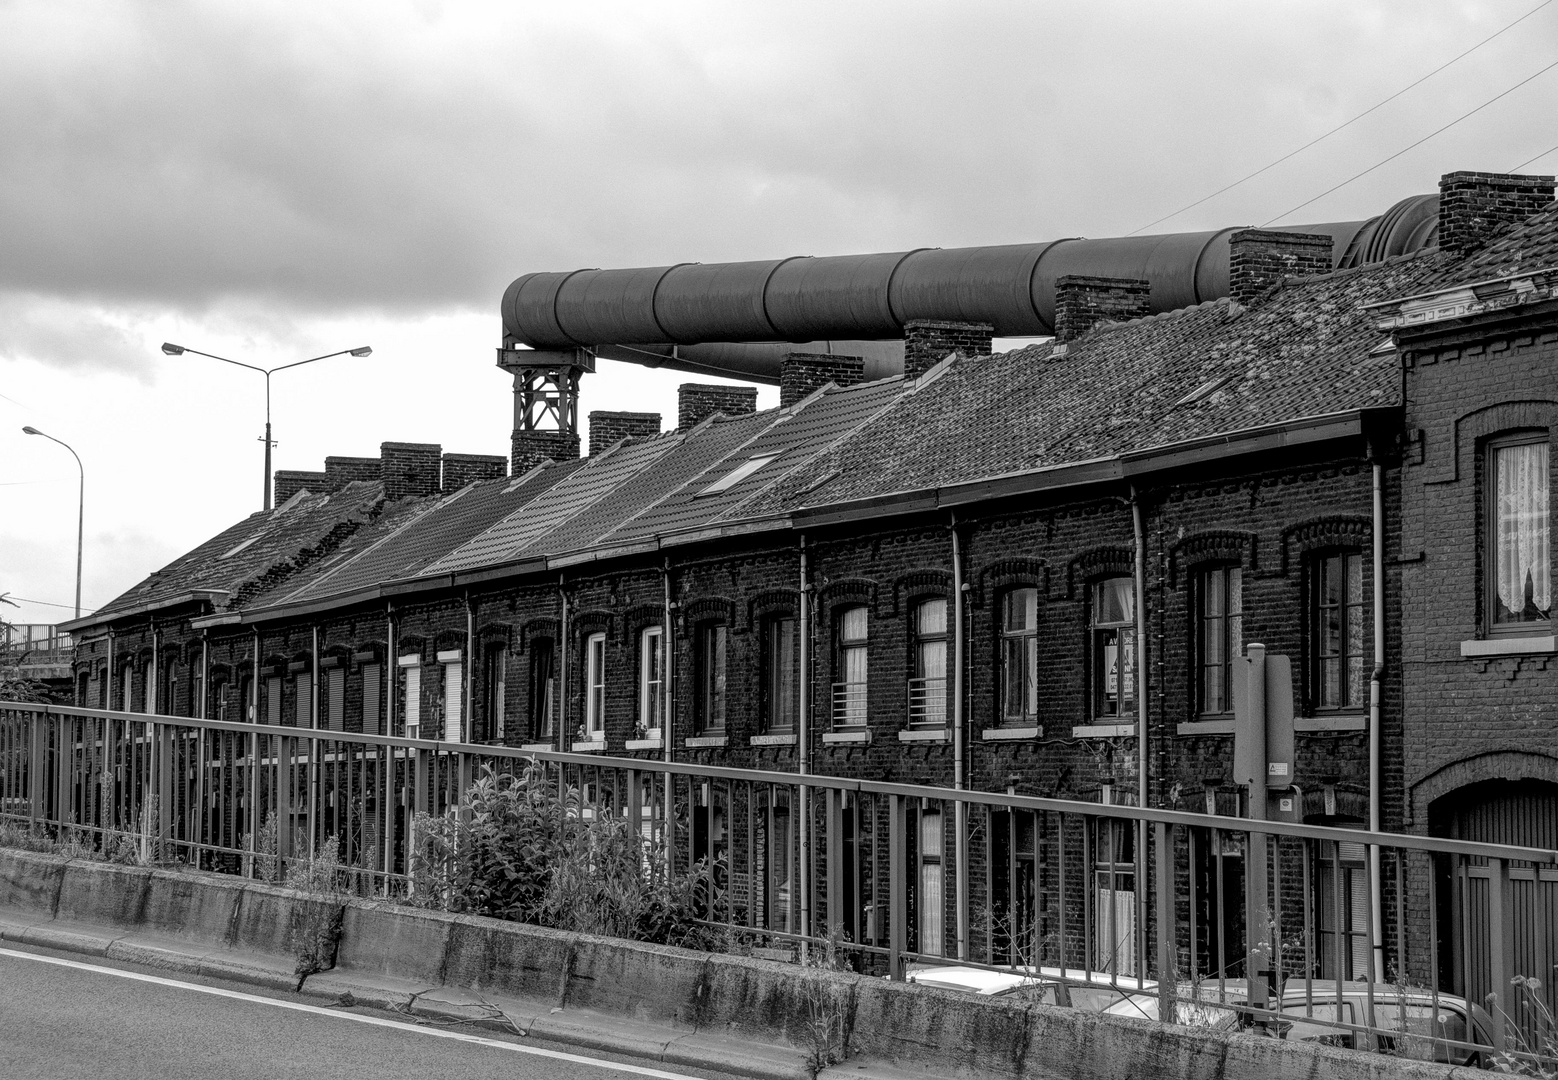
231,926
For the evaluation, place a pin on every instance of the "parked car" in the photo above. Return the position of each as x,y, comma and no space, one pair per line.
1205,1005
1409,1022
1090,991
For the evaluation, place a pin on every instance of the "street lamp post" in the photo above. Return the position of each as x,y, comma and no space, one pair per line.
179,350
81,507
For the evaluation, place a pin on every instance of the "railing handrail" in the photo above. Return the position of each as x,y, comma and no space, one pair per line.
999,799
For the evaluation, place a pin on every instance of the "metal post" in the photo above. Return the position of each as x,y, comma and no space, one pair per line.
898,938
1165,904
1499,949
803,753
959,748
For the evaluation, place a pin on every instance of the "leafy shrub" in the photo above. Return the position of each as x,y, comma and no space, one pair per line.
520,847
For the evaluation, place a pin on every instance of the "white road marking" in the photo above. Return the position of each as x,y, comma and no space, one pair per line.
441,1033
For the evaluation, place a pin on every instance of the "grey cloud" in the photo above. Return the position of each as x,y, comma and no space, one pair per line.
199,157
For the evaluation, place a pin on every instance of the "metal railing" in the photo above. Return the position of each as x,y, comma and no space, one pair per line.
1152,905
34,643
849,704
928,702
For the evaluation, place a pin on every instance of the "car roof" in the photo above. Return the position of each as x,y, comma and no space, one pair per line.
975,980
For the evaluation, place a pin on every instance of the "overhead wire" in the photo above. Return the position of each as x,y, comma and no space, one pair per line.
1413,146
1346,123
1539,157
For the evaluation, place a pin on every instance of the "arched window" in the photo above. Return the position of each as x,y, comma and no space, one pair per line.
1114,649
928,683
1020,657
1219,599
851,650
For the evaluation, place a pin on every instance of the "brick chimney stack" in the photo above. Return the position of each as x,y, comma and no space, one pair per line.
696,402
801,373
1083,301
1473,206
609,428
411,470
1260,258
926,343
462,469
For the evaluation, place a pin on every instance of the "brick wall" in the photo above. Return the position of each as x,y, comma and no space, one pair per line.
696,402
291,481
1473,206
926,342
1082,302
1260,258
608,428
345,470
801,373
531,448
462,469
411,470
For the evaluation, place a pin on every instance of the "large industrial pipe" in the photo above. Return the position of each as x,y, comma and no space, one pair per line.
740,319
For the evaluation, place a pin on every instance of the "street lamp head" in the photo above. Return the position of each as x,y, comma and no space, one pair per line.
31,431
172,349
364,351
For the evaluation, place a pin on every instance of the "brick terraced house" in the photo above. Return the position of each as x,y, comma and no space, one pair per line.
1024,571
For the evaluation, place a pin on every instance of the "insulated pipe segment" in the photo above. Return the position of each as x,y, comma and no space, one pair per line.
735,319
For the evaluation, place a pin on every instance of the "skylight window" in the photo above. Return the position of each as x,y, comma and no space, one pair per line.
228,554
1205,390
738,474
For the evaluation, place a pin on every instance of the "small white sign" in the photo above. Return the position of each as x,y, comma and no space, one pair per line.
1277,768
1285,805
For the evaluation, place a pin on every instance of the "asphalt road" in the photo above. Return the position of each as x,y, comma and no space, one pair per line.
69,1018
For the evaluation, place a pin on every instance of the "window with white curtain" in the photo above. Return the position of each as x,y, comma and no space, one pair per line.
1520,565
595,686
452,694
849,687
651,681
335,698
932,940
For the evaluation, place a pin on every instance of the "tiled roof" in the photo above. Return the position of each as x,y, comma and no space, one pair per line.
700,449
1305,351
419,538
793,436
1532,245
519,533
263,549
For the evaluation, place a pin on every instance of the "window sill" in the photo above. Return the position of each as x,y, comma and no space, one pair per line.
592,746
1011,734
1357,722
644,744
1103,731
771,740
833,737
1205,727
923,735
704,742
534,746
1509,646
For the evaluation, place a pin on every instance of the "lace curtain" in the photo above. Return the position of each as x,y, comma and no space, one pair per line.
1522,535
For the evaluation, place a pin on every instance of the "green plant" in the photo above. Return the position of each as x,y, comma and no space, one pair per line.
315,928
829,1004
523,847
1532,1048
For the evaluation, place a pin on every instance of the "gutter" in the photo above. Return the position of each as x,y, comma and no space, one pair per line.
102,618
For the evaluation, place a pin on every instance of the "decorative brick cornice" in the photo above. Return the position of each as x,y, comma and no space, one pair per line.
1223,546
1096,563
928,581
1005,573
772,601
1325,532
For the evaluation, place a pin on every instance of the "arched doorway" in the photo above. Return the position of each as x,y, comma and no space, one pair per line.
1521,812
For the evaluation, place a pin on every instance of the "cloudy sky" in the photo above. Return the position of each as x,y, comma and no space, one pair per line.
271,181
